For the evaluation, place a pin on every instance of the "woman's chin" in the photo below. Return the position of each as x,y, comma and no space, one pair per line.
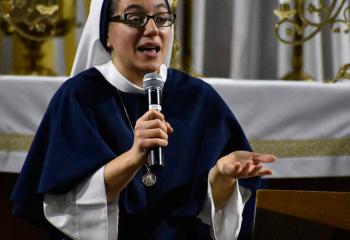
151,68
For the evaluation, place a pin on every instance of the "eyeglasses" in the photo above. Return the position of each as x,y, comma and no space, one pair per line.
139,20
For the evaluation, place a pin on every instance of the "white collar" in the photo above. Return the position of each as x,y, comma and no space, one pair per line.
116,79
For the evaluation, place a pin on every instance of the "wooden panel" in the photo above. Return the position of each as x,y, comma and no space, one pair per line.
270,225
295,214
334,184
331,208
11,227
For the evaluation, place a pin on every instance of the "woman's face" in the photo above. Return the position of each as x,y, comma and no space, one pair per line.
137,51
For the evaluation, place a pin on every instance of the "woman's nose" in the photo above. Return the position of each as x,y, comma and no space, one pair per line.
151,27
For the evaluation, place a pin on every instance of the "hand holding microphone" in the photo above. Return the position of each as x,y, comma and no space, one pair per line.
153,85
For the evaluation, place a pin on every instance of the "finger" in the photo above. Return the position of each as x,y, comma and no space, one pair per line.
169,128
255,171
153,114
152,133
151,124
264,172
240,169
248,167
241,156
264,158
230,168
152,142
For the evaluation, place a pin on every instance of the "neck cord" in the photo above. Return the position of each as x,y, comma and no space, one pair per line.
149,179
126,112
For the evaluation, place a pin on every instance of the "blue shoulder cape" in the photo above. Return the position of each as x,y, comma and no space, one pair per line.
85,127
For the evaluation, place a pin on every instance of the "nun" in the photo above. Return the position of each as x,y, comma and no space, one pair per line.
87,174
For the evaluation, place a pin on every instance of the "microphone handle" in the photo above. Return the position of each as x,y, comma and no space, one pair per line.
155,156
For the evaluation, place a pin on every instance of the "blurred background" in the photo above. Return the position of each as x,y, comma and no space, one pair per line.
226,38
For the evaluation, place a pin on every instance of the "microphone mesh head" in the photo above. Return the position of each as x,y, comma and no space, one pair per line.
153,80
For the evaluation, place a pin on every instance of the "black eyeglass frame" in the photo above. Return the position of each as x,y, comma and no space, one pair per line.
123,19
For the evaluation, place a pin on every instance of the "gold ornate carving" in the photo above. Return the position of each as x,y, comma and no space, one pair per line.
295,20
46,10
343,73
175,56
34,23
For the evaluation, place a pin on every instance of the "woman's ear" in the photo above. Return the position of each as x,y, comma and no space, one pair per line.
109,46
108,43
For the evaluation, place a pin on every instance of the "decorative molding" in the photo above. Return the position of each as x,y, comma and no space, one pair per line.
15,142
281,148
304,148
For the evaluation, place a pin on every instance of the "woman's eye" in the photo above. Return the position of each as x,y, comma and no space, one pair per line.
135,19
162,20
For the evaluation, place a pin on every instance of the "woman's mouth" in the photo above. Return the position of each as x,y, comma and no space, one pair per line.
149,51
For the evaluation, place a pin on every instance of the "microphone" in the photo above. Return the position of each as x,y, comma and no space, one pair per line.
153,85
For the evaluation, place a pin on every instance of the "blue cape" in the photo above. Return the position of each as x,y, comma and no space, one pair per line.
85,127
